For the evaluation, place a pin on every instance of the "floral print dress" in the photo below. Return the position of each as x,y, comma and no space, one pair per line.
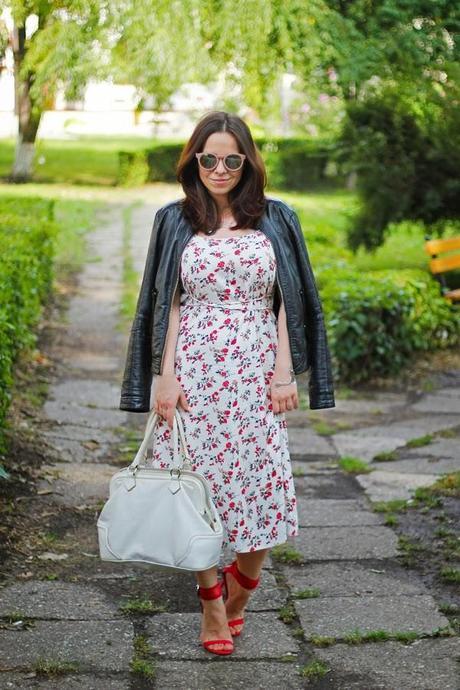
224,361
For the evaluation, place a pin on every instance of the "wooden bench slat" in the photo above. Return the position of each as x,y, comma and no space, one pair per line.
440,246
446,263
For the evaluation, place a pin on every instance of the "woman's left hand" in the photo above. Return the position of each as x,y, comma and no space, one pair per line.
283,397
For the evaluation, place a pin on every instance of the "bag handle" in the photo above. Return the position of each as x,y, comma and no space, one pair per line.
178,426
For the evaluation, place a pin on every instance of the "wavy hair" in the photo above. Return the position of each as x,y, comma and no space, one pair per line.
246,200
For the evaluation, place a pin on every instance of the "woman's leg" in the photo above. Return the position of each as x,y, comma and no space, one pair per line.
214,624
250,564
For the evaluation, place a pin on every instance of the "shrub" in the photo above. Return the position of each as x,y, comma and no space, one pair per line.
27,234
133,168
294,164
376,321
407,164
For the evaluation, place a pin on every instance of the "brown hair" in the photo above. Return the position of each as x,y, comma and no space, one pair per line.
246,199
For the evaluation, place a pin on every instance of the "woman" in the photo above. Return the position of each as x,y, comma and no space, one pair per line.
228,312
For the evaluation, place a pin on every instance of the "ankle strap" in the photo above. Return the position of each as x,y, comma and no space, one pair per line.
213,592
244,580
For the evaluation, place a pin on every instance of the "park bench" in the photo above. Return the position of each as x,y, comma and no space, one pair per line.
440,265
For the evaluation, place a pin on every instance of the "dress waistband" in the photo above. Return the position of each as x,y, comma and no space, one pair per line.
265,302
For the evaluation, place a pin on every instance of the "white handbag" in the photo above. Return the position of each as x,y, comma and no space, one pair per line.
163,517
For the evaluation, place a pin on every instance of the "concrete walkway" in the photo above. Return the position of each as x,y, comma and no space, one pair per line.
341,576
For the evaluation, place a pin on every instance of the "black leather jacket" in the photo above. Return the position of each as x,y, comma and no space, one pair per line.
294,282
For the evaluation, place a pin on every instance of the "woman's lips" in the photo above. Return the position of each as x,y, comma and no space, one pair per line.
220,181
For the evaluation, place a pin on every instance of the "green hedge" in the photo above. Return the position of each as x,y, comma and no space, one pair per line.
377,320
294,164
27,234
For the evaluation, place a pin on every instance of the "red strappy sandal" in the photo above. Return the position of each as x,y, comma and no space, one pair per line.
243,581
213,592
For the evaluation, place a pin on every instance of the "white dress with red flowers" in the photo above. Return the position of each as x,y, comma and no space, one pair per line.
224,361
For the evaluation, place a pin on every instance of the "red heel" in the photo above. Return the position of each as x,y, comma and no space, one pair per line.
245,582
213,592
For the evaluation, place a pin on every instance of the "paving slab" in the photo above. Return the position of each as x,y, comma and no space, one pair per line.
74,483
86,392
28,681
80,433
439,403
176,636
381,485
422,665
330,512
365,447
345,543
450,391
335,579
337,616
93,645
66,450
446,448
72,413
93,361
56,600
327,485
305,442
311,467
417,466
384,403
257,675
368,441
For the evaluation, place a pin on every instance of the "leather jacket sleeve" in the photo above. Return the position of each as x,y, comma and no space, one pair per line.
321,389
137,378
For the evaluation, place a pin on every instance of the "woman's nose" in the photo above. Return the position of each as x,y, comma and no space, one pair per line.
221,167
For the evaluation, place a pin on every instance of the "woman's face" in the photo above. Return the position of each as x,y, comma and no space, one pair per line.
220,180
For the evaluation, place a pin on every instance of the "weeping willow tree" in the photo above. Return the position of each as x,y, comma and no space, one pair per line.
55,45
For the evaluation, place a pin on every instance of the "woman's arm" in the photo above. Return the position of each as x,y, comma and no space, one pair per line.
172,333
283,397
283,361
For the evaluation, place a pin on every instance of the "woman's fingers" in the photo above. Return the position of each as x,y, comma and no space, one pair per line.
285,403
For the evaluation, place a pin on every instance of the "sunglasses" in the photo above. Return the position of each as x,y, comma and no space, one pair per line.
232,161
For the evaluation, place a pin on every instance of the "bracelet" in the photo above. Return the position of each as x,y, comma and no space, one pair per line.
286,383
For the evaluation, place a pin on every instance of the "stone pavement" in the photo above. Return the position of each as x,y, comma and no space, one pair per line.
342,575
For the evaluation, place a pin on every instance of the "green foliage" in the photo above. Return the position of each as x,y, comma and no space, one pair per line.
294,164
378,320
133,168
298,164
354,465
27,235
285,553
407,163
315,669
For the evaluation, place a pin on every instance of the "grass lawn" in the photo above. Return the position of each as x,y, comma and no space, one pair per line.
92,162
83,161
324,217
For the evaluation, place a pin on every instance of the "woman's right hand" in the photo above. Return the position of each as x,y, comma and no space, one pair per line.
167,394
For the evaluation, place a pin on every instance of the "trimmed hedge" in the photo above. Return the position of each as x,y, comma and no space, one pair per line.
27,234
376,321
294,164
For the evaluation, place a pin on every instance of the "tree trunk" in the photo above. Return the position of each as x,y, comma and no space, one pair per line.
28,118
